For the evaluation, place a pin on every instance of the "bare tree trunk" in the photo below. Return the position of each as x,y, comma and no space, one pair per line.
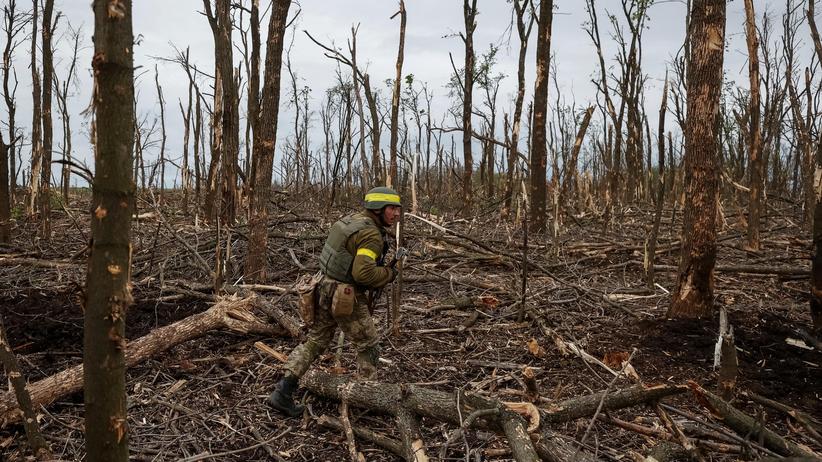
107,285
228,120
539,152
36,118
185,174
10,17
65,116
391,178
469,12
524,31
650,247
570,183
198,128
5,201
265,144
376,157
162,159
693,297
352,49
253,105
755,128
48,81
816,265
216,138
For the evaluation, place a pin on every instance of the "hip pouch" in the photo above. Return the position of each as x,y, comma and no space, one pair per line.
343,303
306,289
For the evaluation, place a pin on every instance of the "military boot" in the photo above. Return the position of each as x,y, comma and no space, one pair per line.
282,399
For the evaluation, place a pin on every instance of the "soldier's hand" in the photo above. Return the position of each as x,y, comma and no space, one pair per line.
394,273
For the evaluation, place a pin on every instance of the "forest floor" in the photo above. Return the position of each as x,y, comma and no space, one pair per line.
459,330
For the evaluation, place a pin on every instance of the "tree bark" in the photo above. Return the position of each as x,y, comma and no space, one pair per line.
108,294
693,297
755,128
265,140
539,148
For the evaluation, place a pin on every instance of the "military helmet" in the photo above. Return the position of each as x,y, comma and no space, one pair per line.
377,198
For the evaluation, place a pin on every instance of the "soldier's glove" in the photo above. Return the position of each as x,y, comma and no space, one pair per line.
394,273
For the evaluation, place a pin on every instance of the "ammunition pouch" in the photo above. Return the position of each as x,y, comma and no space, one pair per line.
306,289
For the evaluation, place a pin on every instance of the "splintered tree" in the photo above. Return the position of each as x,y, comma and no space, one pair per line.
265,143
524,26
694,293
226,115
539,149
109,268
391,178
5,204
469,13
45,162
13,25
36,111
816,264
755,131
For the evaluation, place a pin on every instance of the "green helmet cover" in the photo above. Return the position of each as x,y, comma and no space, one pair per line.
377,198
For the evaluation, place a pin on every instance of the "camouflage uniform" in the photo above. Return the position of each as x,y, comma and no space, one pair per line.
368,247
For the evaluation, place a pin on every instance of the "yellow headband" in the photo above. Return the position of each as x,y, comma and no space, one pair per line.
382,197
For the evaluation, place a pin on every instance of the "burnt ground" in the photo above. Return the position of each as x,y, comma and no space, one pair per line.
207,396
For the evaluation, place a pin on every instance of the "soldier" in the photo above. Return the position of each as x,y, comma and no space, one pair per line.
351,262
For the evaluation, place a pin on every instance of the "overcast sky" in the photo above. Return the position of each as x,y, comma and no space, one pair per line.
429,39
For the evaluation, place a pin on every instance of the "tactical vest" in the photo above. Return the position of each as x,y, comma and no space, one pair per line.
335,260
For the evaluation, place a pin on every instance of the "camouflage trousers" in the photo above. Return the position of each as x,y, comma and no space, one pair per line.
358,327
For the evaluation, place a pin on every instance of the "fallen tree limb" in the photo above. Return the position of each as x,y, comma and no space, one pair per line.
745,269
811,425
586,406
379,439
744,424
8,360
228,313
413,446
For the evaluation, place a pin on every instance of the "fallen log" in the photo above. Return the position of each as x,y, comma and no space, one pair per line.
744,424
228,313
586,406
741,269
389,398
290,323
